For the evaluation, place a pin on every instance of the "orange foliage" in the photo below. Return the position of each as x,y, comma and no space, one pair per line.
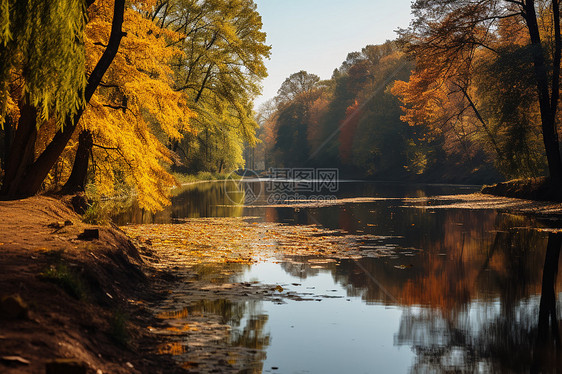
353,114
316,112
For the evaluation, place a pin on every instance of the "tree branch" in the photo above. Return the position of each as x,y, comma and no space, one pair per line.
106,148
481,120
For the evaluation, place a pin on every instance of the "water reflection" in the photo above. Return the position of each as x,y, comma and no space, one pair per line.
209,199
475,290
470,298
548,350
220,335
227,199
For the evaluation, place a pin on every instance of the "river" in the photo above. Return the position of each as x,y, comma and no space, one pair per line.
457,290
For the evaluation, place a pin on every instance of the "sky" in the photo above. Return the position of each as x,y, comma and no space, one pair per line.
317,35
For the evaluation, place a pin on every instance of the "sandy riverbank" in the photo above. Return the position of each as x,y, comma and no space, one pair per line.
81,299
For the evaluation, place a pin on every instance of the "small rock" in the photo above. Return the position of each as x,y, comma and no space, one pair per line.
65,366
13,307
56,225
89,234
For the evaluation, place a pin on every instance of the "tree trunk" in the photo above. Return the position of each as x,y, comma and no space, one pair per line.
548,101
26,175
8,137
21,152
77,180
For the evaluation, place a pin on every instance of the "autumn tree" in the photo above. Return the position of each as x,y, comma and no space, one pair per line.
382,143
134,113
353,122
346,82
44,83
291,146
294,100
447,37
220,70
301,83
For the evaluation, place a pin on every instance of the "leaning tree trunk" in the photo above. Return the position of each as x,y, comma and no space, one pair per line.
24,175
77,180
548,97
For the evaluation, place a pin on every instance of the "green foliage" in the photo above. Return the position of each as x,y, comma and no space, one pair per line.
508,99
101,209
220,70
65,278
42,49
291,143
118,327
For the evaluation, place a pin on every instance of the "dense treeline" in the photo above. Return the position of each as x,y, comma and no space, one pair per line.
468,93
107,93
117,95
355,122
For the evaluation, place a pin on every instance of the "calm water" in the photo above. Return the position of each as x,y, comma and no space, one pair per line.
463,293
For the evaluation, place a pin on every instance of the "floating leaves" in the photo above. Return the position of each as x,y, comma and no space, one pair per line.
235,240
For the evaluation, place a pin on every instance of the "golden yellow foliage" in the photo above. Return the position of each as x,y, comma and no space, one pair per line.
136,109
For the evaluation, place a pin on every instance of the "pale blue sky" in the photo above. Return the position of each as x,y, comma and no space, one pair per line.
317,35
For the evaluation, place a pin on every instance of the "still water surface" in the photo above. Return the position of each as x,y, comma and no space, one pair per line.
462,294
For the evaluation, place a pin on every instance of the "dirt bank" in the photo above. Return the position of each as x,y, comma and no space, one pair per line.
66,295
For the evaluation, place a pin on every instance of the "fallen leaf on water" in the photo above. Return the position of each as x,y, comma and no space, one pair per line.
402,267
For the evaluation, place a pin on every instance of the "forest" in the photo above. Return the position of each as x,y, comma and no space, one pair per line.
122,97
469,93
116,96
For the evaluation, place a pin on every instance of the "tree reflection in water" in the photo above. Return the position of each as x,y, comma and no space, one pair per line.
547,354
489,336
191,201
468,282
225,335
470,299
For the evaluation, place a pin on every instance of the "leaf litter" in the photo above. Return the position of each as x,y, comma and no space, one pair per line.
235,240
